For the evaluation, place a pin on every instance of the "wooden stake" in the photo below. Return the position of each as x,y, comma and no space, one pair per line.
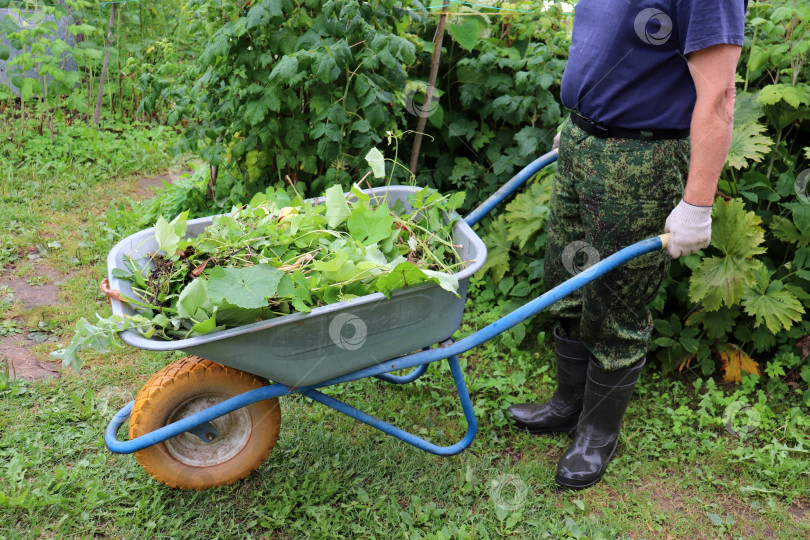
104,68
434,71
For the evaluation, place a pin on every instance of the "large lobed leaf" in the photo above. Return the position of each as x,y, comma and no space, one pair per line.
248,287
772,304
748,143
528,213
722,280
734,362
735,231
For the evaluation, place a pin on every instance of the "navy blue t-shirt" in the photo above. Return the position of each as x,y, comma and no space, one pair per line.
627,64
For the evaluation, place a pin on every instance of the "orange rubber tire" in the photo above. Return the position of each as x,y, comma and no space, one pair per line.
245,437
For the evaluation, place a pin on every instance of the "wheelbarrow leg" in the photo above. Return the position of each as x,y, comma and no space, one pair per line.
385,427
410,377
403,379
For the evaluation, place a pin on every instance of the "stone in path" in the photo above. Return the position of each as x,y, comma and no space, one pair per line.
16,349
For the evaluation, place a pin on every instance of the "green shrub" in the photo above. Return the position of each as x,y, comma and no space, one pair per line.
295,90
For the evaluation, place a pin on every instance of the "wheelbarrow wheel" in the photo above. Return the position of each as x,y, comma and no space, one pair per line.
243,439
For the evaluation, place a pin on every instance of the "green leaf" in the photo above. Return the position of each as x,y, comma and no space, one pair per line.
716,520
285,71
446,281
325,68
370,226
255,111
746,108
207,326
757,57
784,229
664,342
528,212
334,263
689,344
735,231
101,337
195,299
748,143
465,33
167,238
792,95
257,16
337,209
376,161
403,275
662,327
498,250
777,307
722,280
528,140
121,273
30,87
717,324
244,287
5,52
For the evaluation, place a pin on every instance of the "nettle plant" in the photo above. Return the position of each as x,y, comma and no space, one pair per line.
745,302
295,90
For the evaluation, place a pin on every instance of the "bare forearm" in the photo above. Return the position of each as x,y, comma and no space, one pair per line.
712,123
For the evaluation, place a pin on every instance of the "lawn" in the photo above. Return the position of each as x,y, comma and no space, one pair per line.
697,458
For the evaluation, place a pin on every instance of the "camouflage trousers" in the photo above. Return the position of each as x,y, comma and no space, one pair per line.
608,194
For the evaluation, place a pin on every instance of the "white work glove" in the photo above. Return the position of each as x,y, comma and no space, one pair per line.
689,228
556,144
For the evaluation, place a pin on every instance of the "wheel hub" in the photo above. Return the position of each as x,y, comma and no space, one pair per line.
229,437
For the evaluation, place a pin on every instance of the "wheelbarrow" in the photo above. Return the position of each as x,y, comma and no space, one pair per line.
213,417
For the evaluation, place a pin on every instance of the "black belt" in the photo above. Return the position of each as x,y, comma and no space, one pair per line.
604,132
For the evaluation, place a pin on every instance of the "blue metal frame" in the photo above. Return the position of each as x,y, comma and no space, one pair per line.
446,351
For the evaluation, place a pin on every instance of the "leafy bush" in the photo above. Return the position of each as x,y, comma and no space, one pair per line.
499,105
297,90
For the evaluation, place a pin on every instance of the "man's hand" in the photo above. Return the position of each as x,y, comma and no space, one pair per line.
556,144
689,228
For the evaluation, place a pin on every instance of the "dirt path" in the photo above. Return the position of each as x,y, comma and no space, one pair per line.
18,347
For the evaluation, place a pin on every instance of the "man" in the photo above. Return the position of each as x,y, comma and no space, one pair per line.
650,86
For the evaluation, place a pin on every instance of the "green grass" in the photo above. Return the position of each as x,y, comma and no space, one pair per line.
678,473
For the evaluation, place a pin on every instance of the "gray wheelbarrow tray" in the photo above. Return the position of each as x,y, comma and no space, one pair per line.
303,349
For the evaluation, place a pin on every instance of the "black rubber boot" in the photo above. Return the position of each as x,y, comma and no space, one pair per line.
561,412
607,394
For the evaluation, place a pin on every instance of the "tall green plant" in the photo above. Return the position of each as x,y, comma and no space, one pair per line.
296,90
